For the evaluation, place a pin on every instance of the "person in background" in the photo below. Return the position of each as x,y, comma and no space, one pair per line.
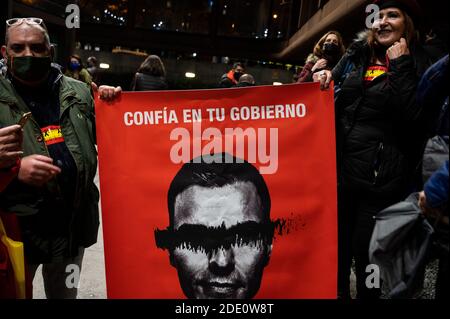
92,68
435,43
433,201
151,75
11,138
76,71
10,150
296,75
432,94
231,78
246,80
327,53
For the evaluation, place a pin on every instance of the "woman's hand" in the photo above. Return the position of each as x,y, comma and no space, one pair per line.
324,77
321,64
398,49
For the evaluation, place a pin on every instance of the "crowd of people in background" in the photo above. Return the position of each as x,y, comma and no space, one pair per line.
389,101
76,70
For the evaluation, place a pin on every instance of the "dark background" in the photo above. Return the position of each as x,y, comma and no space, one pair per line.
273,37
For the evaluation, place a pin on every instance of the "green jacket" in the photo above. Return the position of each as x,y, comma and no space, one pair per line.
82,76
77,122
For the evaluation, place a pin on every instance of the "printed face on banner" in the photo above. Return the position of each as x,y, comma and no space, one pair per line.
228,194
220,238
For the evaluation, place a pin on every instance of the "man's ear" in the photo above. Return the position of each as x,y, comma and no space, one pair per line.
5,56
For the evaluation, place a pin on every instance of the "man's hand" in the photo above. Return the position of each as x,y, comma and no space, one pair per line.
10,145
322,63
36,170
324,77
106,92
430,212
422,201
398,49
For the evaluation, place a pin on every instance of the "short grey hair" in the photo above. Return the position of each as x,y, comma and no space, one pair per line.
42,27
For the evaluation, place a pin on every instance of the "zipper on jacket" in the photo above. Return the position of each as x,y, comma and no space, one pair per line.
58,187
377,163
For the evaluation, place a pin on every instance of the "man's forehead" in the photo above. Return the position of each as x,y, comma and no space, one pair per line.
213,206
26,33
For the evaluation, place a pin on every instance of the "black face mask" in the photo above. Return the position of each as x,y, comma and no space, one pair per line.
237,75
29,69
330,49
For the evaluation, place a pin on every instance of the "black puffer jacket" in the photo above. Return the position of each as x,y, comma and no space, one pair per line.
147,82
378,126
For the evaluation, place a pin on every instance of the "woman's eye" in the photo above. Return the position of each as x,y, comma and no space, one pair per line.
393,15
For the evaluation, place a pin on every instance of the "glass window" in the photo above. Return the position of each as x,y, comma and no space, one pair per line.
308,9
259,19
248,18
112,12
174,15
53,7
279,19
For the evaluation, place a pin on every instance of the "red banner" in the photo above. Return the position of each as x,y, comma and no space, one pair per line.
254,217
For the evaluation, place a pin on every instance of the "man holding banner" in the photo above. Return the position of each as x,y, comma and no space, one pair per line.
52,191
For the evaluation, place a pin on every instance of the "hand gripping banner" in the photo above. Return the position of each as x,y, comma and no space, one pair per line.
227,193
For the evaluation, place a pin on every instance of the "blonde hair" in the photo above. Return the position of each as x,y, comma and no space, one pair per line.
319,45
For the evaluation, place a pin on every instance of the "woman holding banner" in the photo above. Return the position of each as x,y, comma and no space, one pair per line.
379,131
327,53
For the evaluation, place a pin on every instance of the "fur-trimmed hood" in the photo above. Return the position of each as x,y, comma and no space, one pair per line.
359,43
312,58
